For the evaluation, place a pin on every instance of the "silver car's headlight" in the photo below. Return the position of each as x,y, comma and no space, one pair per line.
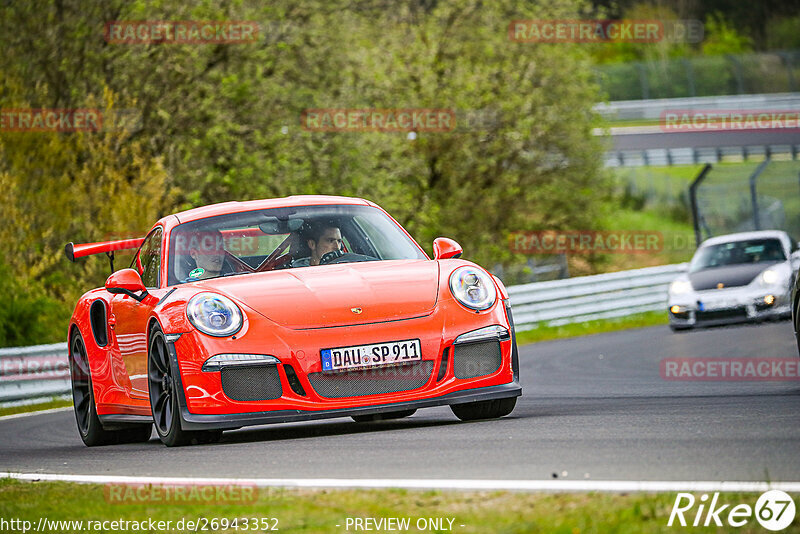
214,314
473,288
679,287
769,277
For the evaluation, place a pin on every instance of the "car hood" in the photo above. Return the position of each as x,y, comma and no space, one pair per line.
728,275
338,295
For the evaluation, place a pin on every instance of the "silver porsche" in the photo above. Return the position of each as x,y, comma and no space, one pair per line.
736,278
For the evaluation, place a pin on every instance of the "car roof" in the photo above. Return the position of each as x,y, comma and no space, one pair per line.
744,236
251,205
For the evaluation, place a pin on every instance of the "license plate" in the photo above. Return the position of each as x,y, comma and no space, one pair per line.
716,305
369,356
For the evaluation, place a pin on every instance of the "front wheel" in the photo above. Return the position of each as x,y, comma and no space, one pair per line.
491,409
164,398
89,426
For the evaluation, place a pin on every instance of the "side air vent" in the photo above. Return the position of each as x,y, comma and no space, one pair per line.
444,364
97,318
294,382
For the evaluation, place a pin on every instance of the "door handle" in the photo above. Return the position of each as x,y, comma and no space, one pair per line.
112,321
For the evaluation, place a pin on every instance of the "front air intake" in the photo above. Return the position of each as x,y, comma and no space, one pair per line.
251,382
372,381
476,359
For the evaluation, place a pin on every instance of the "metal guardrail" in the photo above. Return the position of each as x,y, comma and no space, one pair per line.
586,298
31,372
652,109
693,156
43,370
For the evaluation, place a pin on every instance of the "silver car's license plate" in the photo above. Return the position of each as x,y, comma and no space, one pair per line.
369,356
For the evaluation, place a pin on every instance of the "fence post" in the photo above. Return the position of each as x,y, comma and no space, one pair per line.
643,80
753,194
737,72
690,76
693,200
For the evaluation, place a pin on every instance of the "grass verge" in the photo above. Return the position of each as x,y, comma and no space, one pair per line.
46,405
547,333
322,511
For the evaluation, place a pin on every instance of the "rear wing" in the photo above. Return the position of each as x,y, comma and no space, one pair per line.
74,251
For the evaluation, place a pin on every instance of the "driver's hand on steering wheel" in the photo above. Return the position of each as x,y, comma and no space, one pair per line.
330,256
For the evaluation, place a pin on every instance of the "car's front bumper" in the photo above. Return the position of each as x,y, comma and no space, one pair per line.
720,307
205,403
192,421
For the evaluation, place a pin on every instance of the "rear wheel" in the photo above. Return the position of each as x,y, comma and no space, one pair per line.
89,426
491,409
383,416
164,398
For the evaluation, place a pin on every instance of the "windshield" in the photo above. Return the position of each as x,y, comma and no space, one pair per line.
284,238
738,252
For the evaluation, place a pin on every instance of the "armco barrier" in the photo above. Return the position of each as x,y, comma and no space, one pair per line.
43,370
30,372
592,297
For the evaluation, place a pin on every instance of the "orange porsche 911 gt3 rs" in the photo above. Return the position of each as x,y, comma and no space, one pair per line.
290,309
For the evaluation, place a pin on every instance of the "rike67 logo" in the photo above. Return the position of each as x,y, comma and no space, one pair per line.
774,511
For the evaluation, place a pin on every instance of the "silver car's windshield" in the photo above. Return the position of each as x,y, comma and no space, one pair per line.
738,252
284,238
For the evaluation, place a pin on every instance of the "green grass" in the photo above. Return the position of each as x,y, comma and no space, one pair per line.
320,511
47,405
547,333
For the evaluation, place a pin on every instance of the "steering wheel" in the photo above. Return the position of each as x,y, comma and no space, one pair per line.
337,256
330,256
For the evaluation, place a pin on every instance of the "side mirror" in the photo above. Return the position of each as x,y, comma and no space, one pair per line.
444,248
126,282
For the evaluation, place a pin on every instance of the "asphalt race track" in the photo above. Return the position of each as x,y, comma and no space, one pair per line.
593,408
648,137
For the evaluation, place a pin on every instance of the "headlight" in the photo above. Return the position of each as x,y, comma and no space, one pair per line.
473,288
214,314
769,277
679,287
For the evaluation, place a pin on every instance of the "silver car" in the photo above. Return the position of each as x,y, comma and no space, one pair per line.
735,278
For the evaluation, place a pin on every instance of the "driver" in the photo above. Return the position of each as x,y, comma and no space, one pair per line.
321,239
207,249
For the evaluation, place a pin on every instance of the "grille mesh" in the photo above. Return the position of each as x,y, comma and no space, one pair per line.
372,381
251,383
476,359
713,315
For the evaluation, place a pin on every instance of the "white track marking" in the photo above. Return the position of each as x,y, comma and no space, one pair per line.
28,414
614,486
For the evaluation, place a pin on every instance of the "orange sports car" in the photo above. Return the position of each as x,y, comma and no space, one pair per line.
289,309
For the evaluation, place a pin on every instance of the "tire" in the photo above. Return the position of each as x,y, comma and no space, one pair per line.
797,336
383,416
89,426
163,393
491,409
